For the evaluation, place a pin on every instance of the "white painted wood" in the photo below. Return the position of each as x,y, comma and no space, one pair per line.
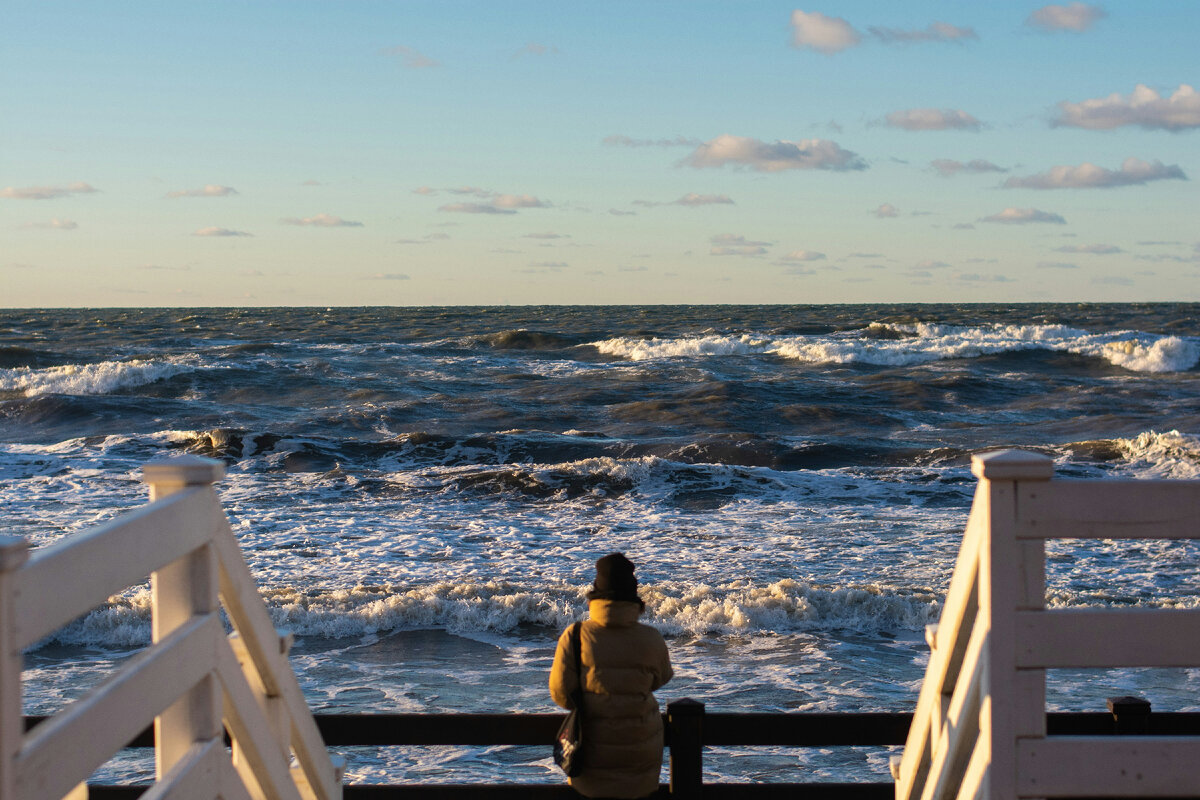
1012,465
13,555
1126,766
78,573
68,747
196,776
80,792
974,781
1110,637
264,766
1111,510
169,475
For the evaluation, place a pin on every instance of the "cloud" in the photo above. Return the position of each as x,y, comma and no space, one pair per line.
743,151
549,264
1144,107
1056,265
824,34
472,190
1094,249
619,140
731,244
616,212
948,168
931,264
1076,17
215,231
535,49
311,182
424,190
886,210
411,241
935,32
932,119
975,277
322,221
1023,216
693,199
475,208
386,276
517,201
409,57
1133,172
1113,280
209,190
547,235
47,192
801,256
55,224
437,236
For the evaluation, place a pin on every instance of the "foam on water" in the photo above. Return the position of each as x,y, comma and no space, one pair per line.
1162,455
923,343
97,378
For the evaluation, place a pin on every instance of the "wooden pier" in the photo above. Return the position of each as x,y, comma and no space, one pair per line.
227,719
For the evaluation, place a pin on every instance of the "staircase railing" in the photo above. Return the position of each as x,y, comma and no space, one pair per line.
193,681
979,730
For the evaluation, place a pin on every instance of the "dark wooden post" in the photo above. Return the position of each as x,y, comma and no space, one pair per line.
686,718
1131,715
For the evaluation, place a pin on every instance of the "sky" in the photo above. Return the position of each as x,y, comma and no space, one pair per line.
445,153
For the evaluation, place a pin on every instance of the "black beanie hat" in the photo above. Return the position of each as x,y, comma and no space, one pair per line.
615,580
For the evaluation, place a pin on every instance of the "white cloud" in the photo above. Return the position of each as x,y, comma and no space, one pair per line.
46,192
517,201
731,244
620,140
935,32
535,49
693,199
472,190
1144,107
424,190
827,35
1133,172
933,119
1022,216
1093,249
215,231
55,224
322,221
760,156
803,255
948,167
209,190
1076,17
409,57
886,211
475,208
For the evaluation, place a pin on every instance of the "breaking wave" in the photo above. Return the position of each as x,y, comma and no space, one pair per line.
785,606
85,379
906,345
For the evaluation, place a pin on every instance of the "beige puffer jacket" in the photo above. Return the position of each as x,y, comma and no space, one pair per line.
624,661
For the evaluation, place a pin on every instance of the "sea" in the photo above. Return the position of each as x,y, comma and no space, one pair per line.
422,493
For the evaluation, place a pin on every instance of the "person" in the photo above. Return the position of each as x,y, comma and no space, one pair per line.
623,662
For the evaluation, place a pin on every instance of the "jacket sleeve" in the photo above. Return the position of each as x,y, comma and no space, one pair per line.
662,671
563,678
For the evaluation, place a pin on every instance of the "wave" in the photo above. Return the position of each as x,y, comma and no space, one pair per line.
899,345
784,606
14,356
522,339
88,379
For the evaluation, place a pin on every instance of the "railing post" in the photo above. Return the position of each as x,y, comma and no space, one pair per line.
181,591
686,718
14,553
1131,715
1011,578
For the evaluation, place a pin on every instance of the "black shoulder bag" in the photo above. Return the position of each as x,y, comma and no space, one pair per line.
569,741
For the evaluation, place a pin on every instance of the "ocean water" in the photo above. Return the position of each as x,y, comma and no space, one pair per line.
422,493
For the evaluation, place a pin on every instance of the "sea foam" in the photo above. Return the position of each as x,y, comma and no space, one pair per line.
84,379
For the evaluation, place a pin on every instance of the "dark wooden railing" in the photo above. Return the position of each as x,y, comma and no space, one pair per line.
689,728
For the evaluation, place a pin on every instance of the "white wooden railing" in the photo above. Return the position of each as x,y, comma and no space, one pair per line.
193,681
979,730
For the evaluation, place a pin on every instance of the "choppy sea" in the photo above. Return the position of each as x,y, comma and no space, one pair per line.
422,492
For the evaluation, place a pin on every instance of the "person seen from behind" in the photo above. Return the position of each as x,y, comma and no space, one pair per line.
623,662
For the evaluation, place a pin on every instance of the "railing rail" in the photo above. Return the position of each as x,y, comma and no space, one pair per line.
980,728
193,682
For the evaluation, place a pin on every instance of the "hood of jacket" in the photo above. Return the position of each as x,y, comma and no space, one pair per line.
614,613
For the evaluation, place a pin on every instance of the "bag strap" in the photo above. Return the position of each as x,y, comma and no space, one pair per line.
577,650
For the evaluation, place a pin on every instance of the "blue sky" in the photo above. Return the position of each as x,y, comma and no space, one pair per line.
410,153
